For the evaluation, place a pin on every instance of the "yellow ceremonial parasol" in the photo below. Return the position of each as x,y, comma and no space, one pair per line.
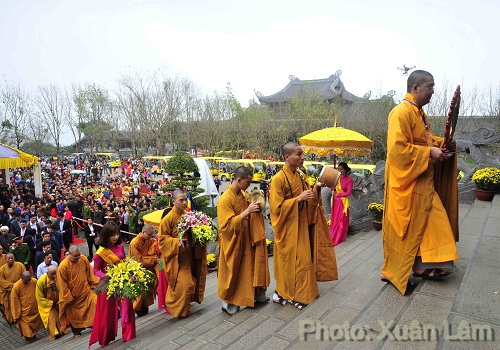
336,140
153,218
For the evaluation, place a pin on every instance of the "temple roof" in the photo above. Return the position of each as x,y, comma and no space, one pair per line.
328,89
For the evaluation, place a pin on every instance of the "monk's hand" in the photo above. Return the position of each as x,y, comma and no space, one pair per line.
305,196
437,153
183,243
320,184
452,146
252,208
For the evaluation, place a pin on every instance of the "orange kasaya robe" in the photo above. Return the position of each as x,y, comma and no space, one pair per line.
243,263
185,268
9,276
77,300
415,222
303,250
146,252
47,297
24,308
2,259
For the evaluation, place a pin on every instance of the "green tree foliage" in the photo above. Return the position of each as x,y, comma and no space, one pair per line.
180,167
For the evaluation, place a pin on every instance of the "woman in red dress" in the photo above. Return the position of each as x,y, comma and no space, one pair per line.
339,218
105,327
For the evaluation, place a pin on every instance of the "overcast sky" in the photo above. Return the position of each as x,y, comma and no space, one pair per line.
253,44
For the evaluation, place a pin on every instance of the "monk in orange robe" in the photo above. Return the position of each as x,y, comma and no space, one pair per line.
10,273
75,281
3,261
144,249
243,273
47,297
418,232
303,249
185,265
24,307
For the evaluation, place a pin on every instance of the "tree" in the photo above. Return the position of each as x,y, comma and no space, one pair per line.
178,167
16,108
52,108
93,106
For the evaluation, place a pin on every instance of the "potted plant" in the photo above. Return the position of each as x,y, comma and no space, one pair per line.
270,247
487,181
211,262
377,211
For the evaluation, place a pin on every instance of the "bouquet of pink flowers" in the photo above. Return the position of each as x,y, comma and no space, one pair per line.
201,227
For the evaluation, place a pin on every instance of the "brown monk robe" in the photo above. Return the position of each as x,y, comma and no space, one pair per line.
3,261
24,307
75,281
10,273
420,223
47,297
303,251
185,265
144,249
243,272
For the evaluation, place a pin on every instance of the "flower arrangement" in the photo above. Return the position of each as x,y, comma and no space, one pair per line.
211,260
377,210
126,279
201,226
270,246
487,179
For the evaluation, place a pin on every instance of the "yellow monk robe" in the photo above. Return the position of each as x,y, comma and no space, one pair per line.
47,297
415,221
77,300
243,262
145,252
9,276
299,263
25,308
2,258
185,268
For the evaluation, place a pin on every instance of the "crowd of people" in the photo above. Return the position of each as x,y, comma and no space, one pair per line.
37,236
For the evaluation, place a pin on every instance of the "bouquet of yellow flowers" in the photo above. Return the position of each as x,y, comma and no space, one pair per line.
487,179
201,227
376,209
127,279
211,260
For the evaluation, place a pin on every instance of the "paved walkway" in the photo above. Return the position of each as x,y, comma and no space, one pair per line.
358,306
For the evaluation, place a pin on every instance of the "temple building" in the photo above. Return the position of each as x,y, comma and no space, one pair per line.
331,89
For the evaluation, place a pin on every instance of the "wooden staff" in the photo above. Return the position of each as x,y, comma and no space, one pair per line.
451,122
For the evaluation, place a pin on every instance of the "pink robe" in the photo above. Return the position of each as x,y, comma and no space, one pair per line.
162,286
105,328
339,218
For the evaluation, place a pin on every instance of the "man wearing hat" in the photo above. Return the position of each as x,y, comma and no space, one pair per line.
21,252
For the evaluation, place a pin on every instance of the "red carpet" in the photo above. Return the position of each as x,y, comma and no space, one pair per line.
77,240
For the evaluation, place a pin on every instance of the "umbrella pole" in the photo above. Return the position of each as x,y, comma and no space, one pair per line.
335,161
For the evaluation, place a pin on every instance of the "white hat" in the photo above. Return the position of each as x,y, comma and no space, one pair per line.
4,228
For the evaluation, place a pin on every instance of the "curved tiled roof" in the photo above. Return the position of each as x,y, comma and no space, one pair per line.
326,89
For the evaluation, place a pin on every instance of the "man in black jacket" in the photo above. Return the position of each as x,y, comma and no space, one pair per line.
64,226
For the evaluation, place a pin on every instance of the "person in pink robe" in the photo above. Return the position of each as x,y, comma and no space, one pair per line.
105,327
339,218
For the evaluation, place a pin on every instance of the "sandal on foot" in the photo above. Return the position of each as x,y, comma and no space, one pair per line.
298,305
278,299
427,274
257,301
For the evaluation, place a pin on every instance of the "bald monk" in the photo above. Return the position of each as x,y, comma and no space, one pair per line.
243,273
10,273
185,265
47,297
420,223
75,282
144,249
297,216
24,307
